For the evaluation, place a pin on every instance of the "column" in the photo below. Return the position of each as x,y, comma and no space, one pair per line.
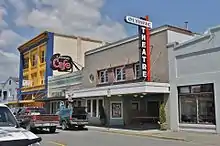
91,105
217,105
97,107
173,97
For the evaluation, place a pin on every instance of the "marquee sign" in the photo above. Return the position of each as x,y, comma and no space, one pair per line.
144,46
61,63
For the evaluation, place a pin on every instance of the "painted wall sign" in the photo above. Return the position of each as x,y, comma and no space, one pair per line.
144,46
138,21
61,63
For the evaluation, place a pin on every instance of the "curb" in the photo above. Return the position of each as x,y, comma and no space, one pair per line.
146,135
136,134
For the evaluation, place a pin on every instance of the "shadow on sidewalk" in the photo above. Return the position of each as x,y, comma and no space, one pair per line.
140,127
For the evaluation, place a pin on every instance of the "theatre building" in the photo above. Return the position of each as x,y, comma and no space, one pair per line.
111,79
35,62
195,83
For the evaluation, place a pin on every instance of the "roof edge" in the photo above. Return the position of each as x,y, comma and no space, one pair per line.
83,38
135,37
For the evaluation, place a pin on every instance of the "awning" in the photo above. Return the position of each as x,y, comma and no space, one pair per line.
50,99
131,88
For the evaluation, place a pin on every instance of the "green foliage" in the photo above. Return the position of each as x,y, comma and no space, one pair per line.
162,114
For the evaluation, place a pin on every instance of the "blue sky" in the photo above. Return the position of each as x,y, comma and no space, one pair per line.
21,20
200,14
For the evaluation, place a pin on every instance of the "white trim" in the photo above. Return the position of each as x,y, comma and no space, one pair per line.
138,102
105,73
127,40
122,109
135,70
131,88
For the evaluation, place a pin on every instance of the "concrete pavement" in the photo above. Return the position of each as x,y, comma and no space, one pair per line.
193,137
101,138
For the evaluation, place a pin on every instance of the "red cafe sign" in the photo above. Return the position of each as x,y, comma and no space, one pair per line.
61,63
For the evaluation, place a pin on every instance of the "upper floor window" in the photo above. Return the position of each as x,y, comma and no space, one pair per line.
34,60
120,74
137,70
103,76
9,82
42,57
26,64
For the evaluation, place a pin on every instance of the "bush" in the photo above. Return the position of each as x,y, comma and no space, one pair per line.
162,118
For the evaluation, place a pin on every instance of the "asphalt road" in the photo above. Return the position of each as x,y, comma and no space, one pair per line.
96,138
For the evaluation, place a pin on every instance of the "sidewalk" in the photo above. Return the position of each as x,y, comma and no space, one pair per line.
192,137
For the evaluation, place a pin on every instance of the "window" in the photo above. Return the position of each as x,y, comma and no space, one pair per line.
94,111
42,58
79,103
0,93
42,81
34,60
34,79
9,82
103,75
88,106
6,118
135,105
120,74
42,78
95,106
137,70
196,104
26,63
5,95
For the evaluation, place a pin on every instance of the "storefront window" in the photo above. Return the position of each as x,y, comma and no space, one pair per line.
88,106
196,104
94,111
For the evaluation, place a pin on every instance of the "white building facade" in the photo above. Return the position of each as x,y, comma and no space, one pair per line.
8,90
194,71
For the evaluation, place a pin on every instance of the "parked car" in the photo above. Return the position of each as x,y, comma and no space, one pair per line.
36,118
11,134
72,117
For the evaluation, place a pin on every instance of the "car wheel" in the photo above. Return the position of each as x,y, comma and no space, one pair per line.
81,127
52,129
64,125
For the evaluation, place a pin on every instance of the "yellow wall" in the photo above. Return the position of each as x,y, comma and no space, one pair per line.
36,68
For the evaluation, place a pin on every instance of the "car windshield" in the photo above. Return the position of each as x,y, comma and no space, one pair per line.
6,118
79,110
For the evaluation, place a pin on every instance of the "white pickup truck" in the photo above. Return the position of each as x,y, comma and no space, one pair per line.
11,134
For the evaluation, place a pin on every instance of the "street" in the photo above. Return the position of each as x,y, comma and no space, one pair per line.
96,138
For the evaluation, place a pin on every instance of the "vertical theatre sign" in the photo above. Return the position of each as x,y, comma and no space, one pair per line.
144,47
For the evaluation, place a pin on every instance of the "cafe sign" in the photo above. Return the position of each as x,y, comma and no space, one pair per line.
61,63
144,27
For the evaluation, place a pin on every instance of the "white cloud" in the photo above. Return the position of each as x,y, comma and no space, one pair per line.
73,17
8,38
9,65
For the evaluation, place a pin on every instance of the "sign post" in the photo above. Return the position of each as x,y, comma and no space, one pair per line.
144,26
